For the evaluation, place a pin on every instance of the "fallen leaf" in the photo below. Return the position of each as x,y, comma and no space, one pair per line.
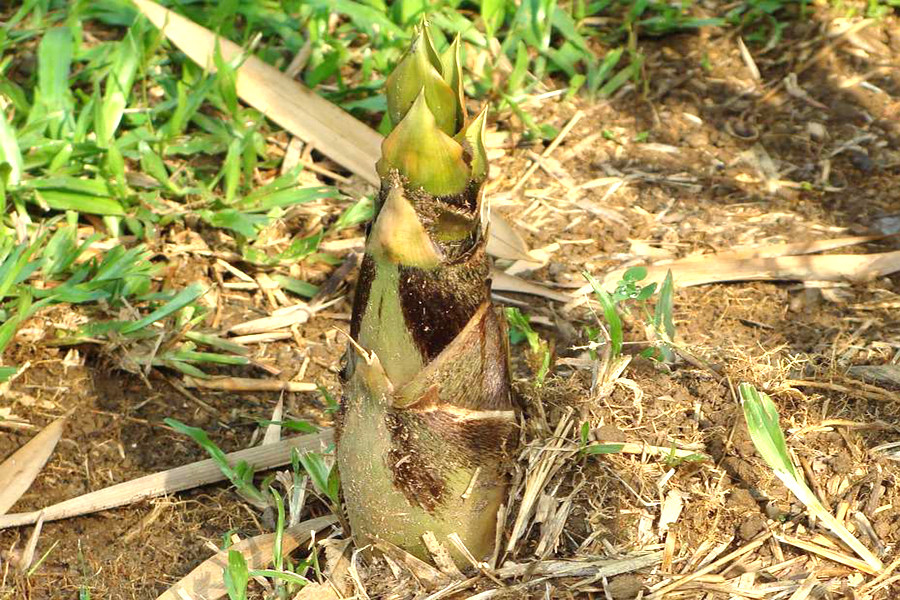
712,268
889,374
504,282
833,267
788,249
335,133
27,556
337,565
273,430
19,470
422,571
505,242
206,580
316,591
670,511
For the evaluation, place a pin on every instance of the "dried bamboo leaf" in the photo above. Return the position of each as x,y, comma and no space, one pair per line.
539,473
245,384
27,557
174,480
671,510
833,267
206,580
296,315
422,571
789,249
504,282
747,548
335,133
581,568
273,430
259,338
806,588
838,557
505,242
441,556
337,565
317,591
19,470
889,374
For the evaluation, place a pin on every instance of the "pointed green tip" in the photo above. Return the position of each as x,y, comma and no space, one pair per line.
424,32
474,135
423,153
451,69
419,69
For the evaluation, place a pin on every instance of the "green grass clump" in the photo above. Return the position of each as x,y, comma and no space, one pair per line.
104,145
630,297
520,330
287,576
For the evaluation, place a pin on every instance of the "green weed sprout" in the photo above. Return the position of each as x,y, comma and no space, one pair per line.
630,293
324,478
765,431
520,329
236,576
287,576
240,476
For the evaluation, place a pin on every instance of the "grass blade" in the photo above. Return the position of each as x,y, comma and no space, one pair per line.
9,151
118,85
93,205
319,472
765,431
662,315
54,64
181,299
236,576
616,336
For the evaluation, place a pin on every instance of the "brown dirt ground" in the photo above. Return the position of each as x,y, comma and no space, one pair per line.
703,195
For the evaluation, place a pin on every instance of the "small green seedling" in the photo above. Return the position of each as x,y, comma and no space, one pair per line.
628,295
291,424
765,431
614,448
673,460
586,448
33,569
332,406
324,478
236,576
84,592
240,476
287,577
520,330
